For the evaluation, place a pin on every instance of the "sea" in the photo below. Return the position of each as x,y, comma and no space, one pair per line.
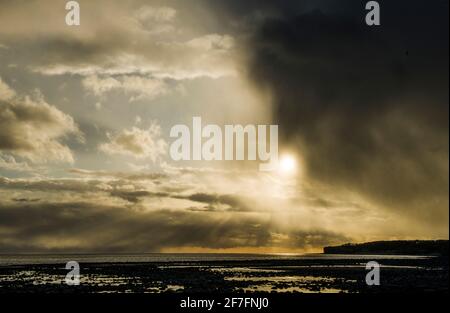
24,259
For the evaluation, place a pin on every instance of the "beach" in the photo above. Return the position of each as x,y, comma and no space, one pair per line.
222,273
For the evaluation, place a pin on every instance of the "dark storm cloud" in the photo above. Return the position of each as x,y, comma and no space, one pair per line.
136,196
25,200
366,107
93,227
233,203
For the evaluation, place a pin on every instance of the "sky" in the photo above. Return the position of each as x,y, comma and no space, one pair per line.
86,113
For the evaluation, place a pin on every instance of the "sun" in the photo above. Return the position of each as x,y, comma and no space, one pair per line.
287,164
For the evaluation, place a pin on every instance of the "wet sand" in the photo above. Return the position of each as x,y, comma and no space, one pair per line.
313,275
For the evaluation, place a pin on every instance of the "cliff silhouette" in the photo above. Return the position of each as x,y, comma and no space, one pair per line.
395,247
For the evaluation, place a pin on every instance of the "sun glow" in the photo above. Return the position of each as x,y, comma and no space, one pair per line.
287,165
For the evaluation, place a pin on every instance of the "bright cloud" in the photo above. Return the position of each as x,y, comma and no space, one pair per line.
136,86
138,143
33,129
